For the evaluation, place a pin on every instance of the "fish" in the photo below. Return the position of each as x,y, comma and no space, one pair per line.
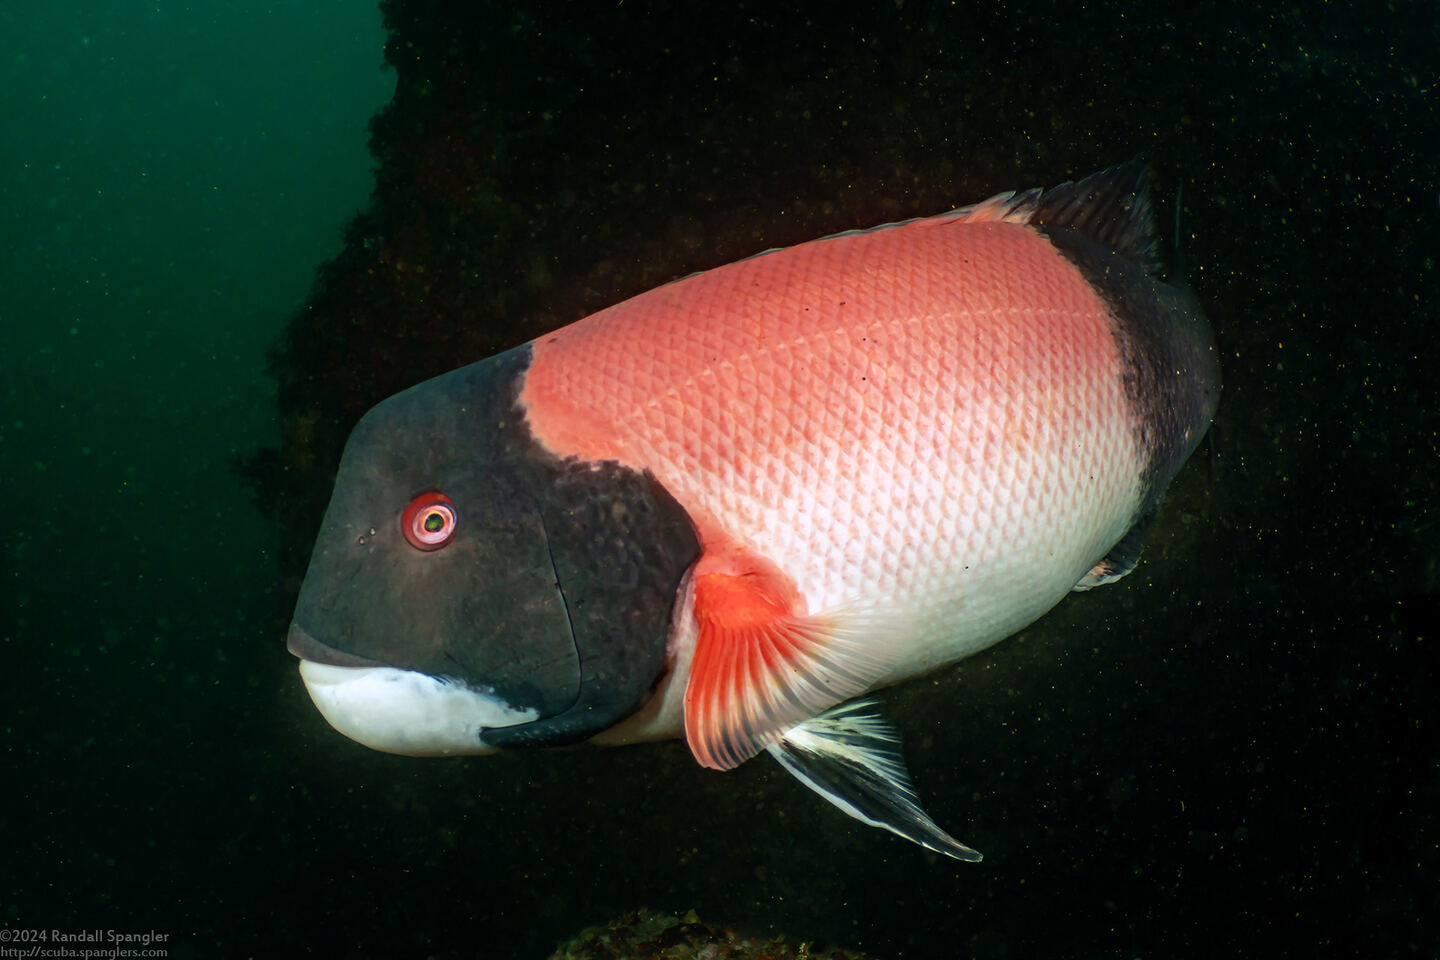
734,508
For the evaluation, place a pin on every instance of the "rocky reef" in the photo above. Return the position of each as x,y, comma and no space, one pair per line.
646,935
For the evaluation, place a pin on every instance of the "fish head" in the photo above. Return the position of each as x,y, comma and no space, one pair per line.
468,591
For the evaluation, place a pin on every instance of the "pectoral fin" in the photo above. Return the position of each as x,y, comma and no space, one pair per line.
760,668
851,757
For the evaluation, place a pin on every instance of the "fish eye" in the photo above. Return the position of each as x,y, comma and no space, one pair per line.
429,522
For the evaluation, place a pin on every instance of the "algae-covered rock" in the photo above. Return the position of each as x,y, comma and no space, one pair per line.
646,935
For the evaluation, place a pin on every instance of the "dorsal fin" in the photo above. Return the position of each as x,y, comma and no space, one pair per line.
1112,208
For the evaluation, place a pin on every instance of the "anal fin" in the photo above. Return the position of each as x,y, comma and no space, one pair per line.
851,757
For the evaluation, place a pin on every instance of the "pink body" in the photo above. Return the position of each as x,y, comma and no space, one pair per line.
922,424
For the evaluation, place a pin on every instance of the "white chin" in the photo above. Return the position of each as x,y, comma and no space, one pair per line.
401,711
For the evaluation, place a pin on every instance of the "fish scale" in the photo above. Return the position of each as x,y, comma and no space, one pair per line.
925,420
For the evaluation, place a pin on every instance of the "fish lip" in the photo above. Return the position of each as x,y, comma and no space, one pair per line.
302,645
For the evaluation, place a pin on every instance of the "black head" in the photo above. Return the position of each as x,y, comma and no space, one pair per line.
514,598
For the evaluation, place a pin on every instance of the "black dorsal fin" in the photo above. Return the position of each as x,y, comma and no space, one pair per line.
1112,208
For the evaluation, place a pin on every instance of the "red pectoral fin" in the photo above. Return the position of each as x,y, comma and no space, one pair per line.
759,669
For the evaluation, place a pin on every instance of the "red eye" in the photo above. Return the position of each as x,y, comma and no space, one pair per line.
429,522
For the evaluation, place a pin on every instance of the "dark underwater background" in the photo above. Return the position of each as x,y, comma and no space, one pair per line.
213,259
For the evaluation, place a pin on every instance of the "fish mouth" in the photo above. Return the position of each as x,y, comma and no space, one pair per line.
301,644
399,711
